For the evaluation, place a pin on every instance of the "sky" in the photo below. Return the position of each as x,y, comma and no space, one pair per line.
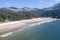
28,3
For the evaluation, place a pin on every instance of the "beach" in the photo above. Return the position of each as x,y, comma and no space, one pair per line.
7,29
15,24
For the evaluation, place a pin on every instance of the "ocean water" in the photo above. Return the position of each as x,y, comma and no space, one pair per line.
46,31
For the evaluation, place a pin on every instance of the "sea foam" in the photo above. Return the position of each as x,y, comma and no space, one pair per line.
7,34
31,25
41,22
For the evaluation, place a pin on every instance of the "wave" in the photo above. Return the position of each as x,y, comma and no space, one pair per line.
35,24
7,34
31,25
42,22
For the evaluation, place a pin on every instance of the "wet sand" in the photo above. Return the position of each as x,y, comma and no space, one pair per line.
12,25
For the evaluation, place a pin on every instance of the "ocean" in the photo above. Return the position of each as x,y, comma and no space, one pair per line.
44,31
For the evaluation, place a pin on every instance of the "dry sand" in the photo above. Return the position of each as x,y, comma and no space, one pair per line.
15,24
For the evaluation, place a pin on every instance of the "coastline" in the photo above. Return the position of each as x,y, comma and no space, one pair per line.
14,24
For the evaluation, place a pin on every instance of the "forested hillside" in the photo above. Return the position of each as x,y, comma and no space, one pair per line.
13,13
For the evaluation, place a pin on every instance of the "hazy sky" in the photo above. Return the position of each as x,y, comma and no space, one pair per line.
28,3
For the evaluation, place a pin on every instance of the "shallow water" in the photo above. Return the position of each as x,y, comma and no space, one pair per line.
46,31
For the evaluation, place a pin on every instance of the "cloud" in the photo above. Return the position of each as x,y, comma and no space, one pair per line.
57,1
6,3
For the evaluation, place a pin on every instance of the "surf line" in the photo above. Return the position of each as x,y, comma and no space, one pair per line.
34,24
41,22
7,34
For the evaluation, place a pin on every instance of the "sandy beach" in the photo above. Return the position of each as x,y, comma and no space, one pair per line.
15,24
9,28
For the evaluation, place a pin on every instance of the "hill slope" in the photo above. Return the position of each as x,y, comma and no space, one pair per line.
13,13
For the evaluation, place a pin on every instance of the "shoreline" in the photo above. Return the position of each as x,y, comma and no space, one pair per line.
37,22
19,30
12,25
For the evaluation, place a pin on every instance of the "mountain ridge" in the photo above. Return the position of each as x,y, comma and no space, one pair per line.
13,13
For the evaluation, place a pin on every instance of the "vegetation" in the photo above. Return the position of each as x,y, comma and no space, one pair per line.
13,13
